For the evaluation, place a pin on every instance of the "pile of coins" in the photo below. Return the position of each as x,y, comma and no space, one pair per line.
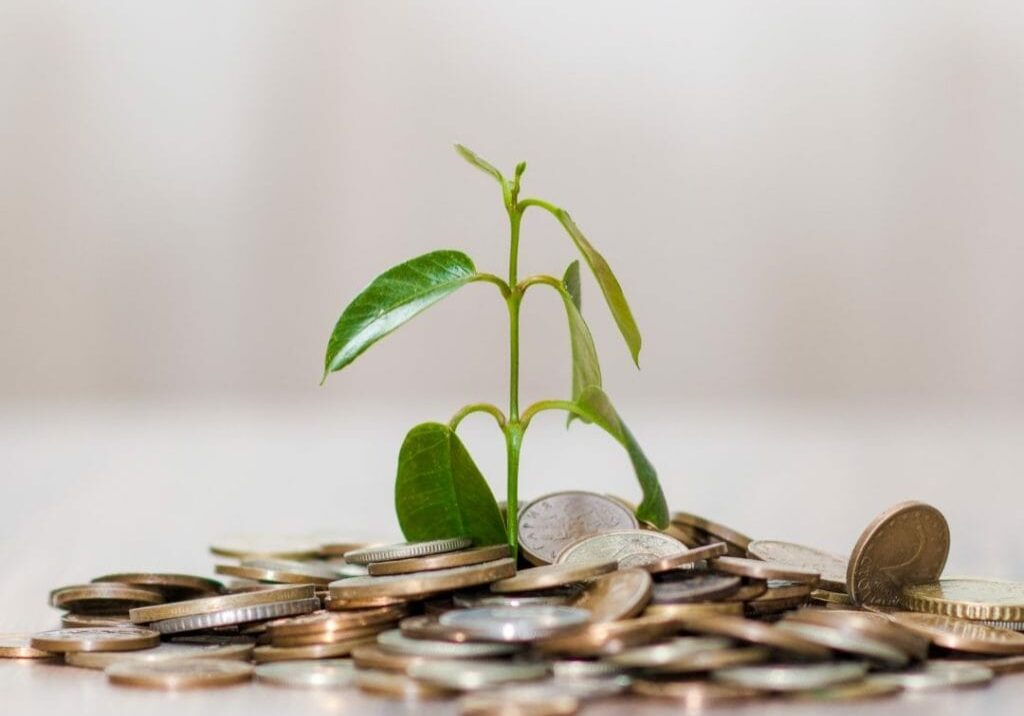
599,607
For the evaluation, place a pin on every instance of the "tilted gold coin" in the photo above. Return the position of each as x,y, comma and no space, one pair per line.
440,561
424,583
694,695
757,569
694,610
968,598
832,568
715,529
759,634
19,646
960,634
103,598
552,575
209,605
174,587
263,654
280,571
179,673
906,544
550,523
629,548
686,559
96,639
617,595
611,637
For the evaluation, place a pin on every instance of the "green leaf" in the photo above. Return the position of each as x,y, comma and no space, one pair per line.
586,370
393,298
473,158
609,284
597,406
439,492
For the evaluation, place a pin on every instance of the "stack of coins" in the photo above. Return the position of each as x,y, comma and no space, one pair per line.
597,606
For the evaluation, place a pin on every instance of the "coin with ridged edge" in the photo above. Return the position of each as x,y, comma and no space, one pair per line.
550,523
241,615
447,560
960,634
968,598
831,567
422,584
406,550
618,595
628,548
209,605
96,639
320,674
179,673
552,575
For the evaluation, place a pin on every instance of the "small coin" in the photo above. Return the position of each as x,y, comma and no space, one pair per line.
628,548
422,584
386,683
406,550
460,675
874,626
696,610
518,702
607,638
667,652
960,634
322,674
209,605
179,673
756,569
263,654
693,696
849,642
617,595
174,587
280,571
254,546
715,529
552,575
906,544
96,639
170,650
396,641
239,615
687,558
759,634
448,560
695,588
937,675
514,624
103,598
550,523
792,677
19,646
968,598
832,568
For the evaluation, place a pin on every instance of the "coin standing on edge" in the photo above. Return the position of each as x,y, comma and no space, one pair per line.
617,595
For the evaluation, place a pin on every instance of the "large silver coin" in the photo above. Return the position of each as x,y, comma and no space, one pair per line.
630,548
938,676
474,675
313,674
241,615
792,677
514,624
550,523
394,640
406,550
831,567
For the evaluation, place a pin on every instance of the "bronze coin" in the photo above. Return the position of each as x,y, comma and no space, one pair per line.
759,634
968,598
174,587
618,595
757,569
103,598
875,626
611,637
695,588
19,646
715,529
832,568
552,575
686,559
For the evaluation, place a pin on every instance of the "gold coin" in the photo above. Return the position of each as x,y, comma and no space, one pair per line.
686,559
209,605
611,637
713,659
960,634
103,598
552,575
263,654
179,673
387,683
756,569
280,571
968,598
715,529
174,587
758,633
618,595
75,621
440,561
372,656
694,610
96,639
333,604
422,584
906,544
328,637
19,646
694,695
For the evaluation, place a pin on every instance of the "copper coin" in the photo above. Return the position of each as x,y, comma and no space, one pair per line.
550,523
696,610
96,639
103,598
19,646
333,604
686,559
322,621
174,587
610,637
179,673
618,595
263,654
759,634
209,605
906,544
757,569
849,642
76,621
440,561
422,584
715,529
327,637
960,634
552,575
751,589
832,568
696,588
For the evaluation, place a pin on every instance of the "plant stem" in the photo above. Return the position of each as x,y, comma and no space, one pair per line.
477,408
566,405
513,433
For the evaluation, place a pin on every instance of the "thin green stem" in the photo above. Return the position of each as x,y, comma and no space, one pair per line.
543,405
496,280
478,408
540,203
540,280
513,434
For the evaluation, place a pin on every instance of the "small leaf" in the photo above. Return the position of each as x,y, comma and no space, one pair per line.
597,406
393,298
586,370
439,492
470,156
608,283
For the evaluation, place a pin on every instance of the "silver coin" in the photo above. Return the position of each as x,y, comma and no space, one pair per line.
550,523
657,655
514,624
832,568
394,640
568,669
311,674
103,659
630,548
599,687
240,615
473,675
518,700
935,675
848,642
406,550
792,677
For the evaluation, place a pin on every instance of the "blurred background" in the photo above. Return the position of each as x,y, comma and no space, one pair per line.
814,210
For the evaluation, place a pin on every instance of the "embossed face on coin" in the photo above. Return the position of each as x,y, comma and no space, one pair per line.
906,544
550,523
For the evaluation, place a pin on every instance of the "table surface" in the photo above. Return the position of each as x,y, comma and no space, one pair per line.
89,489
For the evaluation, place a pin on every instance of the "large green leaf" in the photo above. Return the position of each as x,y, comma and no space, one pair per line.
594,403
439,492
393,298
606,280
586,370
473,158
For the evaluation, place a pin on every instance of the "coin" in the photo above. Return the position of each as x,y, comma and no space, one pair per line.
514,624
695,588
103,598
280,571
406,550
716,530
238,615
386,683
610,637
74,621
564,669
321,621
209,605
629,548
792,677
937,675
855,691
440,561
665,653
518,702
179,673
422,584
960,634
550,523
758,633
95,639
874,626
693,696
694,610
830,567
263,654
325,673
617,595
270,546
103,659
460,675
751,589
840,600
174,587
714,659
906,544
998,664
686,559
849,642
326,637
968,598
756,569
372,656
552,575
346,605
396,641
19,646
562,596
427,626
